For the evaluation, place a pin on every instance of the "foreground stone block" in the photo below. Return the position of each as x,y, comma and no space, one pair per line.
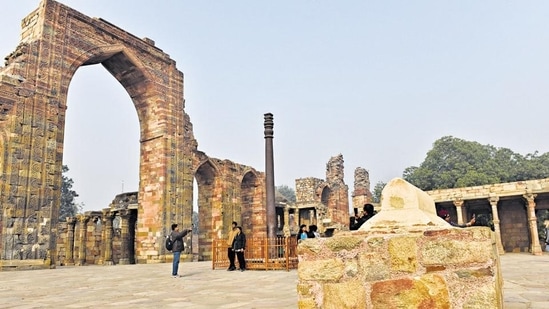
416,260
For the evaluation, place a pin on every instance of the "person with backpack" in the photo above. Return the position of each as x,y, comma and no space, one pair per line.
177,238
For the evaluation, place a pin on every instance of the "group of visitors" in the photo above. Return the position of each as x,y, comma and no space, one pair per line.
236,244
236,241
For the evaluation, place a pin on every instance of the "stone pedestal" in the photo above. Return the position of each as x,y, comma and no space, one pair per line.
414,260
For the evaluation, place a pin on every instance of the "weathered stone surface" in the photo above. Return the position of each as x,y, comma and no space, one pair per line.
427,292
321,270
403,253
343,243
374,266
449,251
349,294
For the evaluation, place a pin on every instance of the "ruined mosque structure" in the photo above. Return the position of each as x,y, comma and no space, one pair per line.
34,81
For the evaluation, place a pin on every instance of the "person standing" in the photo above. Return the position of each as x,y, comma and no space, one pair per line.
313,232
178,246
239,245
367,213
230,251
302,233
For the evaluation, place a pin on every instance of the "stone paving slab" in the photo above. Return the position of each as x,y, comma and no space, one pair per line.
526,286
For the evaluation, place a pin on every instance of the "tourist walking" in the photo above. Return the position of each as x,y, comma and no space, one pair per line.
178,246
239,245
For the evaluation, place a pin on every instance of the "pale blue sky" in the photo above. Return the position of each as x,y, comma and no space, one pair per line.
377,81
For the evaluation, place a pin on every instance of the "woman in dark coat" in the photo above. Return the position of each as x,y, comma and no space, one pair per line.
239,245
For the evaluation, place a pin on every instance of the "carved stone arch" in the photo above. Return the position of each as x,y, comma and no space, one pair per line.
250,201
212,170
56,40
206,175
324,194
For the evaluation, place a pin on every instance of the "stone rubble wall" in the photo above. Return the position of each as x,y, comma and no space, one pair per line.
403,257
442,268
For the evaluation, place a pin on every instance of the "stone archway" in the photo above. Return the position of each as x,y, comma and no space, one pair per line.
56,41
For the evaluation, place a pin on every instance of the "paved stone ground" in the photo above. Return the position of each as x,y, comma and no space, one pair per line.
526,285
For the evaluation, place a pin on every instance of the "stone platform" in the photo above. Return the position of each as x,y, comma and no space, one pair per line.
526,285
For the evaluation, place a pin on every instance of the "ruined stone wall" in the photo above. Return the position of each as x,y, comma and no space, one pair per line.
306,189
446,268
56,41
227,192
329,198
361,194
403,257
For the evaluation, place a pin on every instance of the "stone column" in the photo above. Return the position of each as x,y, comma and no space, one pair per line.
535,248
495,219
312,217
107,236
69,246
286,227
458,203
83,220
269,175
124,236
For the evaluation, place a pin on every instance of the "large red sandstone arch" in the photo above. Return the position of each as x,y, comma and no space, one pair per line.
57,40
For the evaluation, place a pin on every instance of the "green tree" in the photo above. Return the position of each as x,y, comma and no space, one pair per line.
68,206
376,195
455,163
288,192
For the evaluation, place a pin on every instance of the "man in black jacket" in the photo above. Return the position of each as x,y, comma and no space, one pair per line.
367,213
178,246
239,245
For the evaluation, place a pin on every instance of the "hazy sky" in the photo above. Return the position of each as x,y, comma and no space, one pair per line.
377,81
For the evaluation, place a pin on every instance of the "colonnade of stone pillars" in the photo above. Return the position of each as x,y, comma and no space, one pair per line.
535,247
107,236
